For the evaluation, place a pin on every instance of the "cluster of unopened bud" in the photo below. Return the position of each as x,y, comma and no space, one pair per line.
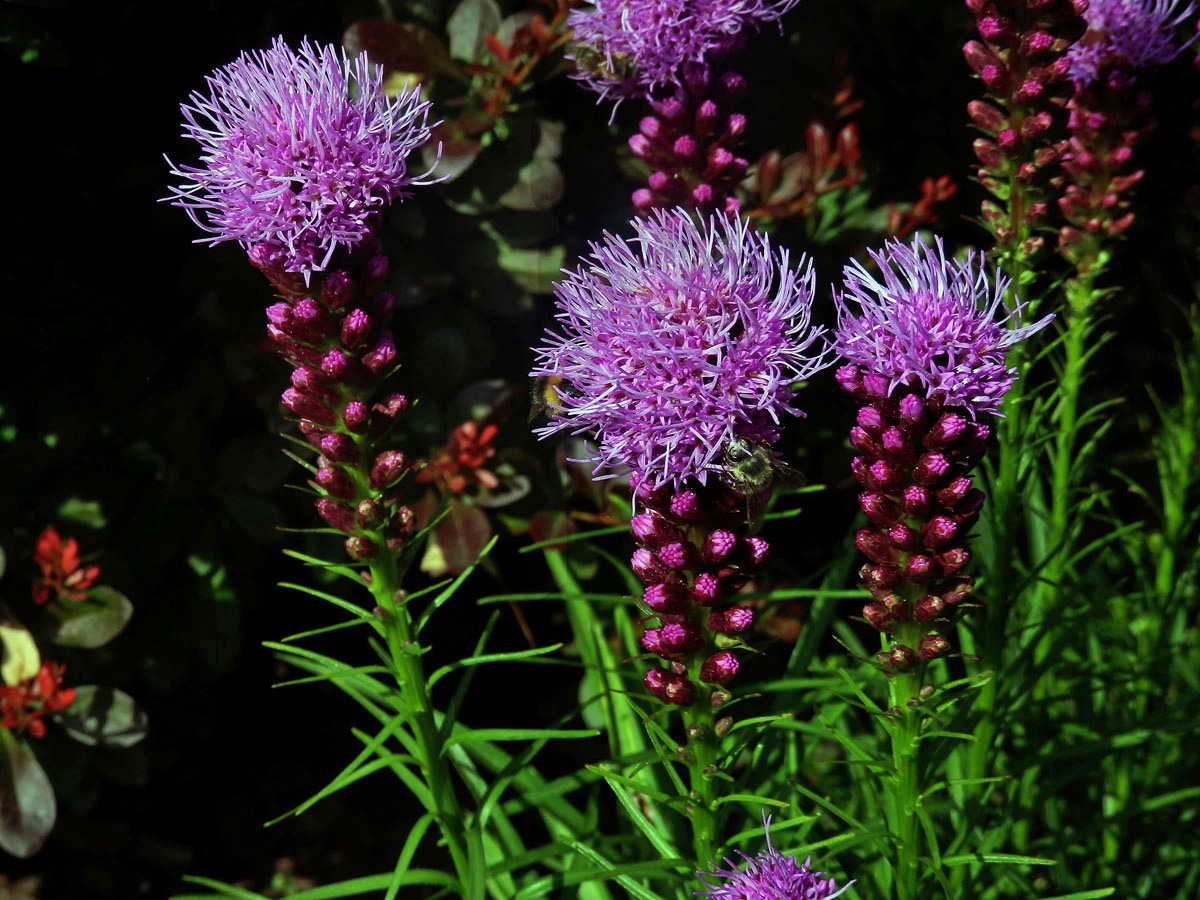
693,557
913,463
334,332
1022,63
690,142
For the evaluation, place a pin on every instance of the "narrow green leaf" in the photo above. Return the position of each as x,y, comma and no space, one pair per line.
752,798
966,858
659,841
469,735
448,592
481,659
223,889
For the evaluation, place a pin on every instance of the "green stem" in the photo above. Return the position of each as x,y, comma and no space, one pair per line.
905,730
702,758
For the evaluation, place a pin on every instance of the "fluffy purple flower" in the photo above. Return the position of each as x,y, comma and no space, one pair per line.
634,46
300,151
678,342
1134,33
941,322
769,876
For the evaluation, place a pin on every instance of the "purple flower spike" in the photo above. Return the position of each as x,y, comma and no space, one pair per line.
769,876
1135,33
679,342
292,167
939,322
639,45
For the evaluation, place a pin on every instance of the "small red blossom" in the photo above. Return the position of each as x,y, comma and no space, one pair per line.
61,569
24,704
460,460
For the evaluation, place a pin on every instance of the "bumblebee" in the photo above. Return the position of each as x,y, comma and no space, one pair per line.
613,66
750,468
544,394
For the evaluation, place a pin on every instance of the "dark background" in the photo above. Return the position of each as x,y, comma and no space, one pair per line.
143,354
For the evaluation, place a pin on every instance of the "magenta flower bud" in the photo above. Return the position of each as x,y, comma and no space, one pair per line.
381,356
308,408
871,421
876,577
733,620
702,195
678,690
354,416
930,468
339,448
885,475
707,589
919,569
756,550
719,668
313,433
313,382
640,146
878,618
902,658
849,378
706,117
874,546
946,430
686,507
862,472
387,469
952,560
660,182
986,116
987,152
960,588
685,148
385,305
384,415
647,568
643,200
932,646
903,537
718,545
650,127
652,641
309,312
336,482
671,109
335,364
878,508
360,547
912,410
401,527
678,555
897,607
335,514
734,128
356,327
338,290
280,316
928,607
861,440
681,637
915,501
938,531
667,598
368,514
719,159
653,530
731,88
375,272
876,386
897,447
954,491
968,508
656,683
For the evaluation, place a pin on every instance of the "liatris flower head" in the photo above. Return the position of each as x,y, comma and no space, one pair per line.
301,149
931,321
631,47
1130,34
770,875
678,343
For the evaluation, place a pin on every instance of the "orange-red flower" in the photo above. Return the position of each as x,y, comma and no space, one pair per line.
61,569
460,460
24,704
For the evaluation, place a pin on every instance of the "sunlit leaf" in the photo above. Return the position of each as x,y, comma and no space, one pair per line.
95,621
27,805
468,26
104,716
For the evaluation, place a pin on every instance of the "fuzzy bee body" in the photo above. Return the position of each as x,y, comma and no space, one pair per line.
750,469
613,66
544,394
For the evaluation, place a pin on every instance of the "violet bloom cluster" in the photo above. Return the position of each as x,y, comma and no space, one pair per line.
297,172
300,151
676,55
1132,34
675,348
770,875
925,347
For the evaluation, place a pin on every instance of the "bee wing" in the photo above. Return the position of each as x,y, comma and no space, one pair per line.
788,478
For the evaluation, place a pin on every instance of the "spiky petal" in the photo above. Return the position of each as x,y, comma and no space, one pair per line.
300,150
770,875
939,321
1134,34
678,342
